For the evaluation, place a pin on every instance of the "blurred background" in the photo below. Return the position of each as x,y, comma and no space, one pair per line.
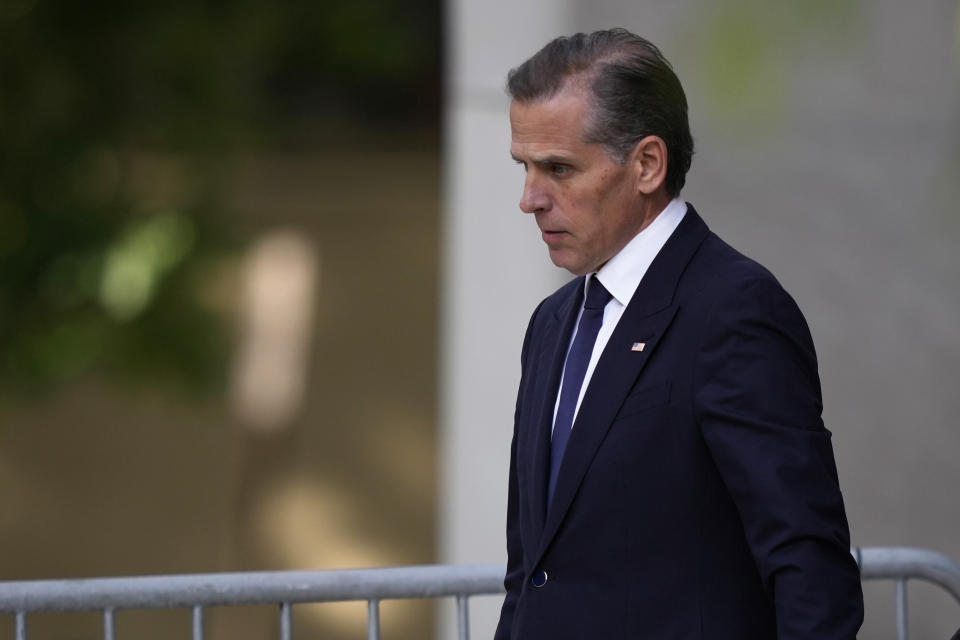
218,284
263,279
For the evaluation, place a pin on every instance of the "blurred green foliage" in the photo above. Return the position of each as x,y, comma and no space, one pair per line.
114,121
744,47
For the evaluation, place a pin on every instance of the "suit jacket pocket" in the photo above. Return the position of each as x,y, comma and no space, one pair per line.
645,398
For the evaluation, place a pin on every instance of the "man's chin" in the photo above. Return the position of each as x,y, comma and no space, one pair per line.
564,262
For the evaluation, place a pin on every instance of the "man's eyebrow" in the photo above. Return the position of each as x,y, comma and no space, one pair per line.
552,159
544,160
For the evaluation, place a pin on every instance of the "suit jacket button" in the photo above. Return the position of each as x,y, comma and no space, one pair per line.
539,578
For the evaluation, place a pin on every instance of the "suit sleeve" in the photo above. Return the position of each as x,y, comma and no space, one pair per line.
513,580
757,401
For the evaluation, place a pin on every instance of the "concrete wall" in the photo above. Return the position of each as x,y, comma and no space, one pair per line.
493,274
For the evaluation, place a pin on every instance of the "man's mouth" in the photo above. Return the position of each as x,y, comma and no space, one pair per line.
549,236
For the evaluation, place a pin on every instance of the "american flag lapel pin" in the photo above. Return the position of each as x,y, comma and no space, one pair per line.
638,346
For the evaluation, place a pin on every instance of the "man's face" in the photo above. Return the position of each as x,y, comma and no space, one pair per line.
586,204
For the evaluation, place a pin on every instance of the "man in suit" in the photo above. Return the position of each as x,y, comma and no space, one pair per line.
670,474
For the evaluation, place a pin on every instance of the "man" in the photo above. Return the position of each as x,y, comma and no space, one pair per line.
670,475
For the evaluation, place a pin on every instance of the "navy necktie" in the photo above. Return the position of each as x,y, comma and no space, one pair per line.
573,372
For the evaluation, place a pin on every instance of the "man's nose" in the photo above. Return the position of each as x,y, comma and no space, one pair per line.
534,197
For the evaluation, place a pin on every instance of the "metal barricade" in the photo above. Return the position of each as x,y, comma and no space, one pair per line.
287,588
901,564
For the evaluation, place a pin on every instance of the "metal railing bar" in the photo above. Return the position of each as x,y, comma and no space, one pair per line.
463,618
108,595
901,597
286,621
109,632
198,623
259,587
373,619
894,563
21,625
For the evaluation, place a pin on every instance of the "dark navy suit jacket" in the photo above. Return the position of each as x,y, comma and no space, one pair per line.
698,494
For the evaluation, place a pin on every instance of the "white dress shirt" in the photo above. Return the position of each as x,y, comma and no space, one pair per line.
621,275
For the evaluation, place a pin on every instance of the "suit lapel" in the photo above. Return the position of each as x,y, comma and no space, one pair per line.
646,319
556,336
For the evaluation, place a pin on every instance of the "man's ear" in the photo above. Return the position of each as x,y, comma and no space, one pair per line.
649,158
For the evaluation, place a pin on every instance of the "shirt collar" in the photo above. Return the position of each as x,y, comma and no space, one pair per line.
622,273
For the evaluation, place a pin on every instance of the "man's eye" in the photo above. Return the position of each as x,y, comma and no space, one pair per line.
559,169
